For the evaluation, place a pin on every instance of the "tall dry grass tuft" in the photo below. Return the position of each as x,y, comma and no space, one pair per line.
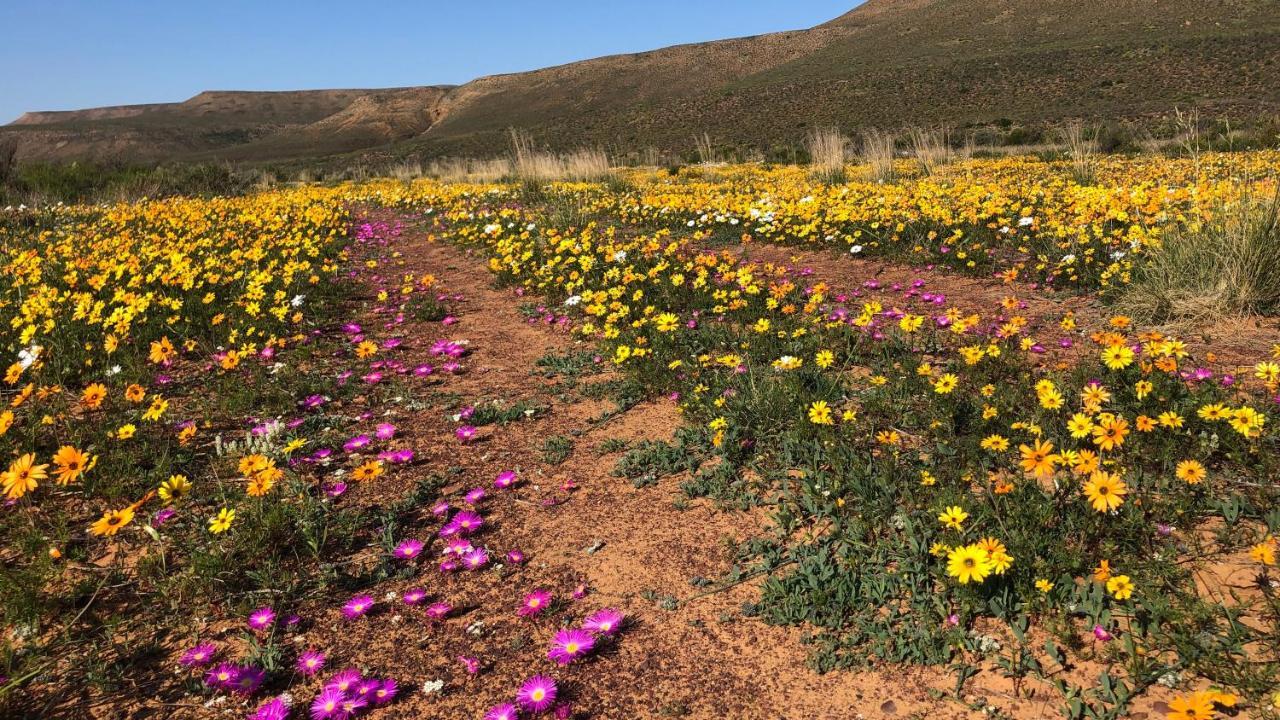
826,148
407,170
1189,136
1228,266
706,148
931,148
1082,153
533,165
469,169
878,149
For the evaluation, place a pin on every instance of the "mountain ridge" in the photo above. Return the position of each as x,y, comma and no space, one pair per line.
886,63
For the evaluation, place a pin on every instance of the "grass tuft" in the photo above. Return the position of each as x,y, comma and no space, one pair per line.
1230,265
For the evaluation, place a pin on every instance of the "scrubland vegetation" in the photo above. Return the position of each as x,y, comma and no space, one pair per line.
208,400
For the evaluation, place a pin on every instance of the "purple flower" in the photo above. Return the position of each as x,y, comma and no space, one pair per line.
162,516
310,662
414,596
357,606
605,621
336,489
223,676
262,618
385,431
1101,633
474,496
366,688
356,443
464,523
328,704
386,692
569,645
201,654
353,705
345,681
408,549
273,709
438,611
470,664
506,711
534,603
515,557
476,559
249,680
465,433
537,694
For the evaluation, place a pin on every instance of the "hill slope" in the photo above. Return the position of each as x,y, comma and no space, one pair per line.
887,63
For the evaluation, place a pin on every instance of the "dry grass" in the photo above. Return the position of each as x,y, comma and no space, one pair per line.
532,164
706,149
407,170
931,148
469,169
877,154
826,148
1229,266
1082,153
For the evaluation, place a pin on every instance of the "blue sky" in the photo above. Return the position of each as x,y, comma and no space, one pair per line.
59,54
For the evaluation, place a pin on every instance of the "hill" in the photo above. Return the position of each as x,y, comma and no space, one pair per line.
888,63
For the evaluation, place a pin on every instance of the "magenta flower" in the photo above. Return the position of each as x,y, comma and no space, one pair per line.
474,496
569,645
515,557
385,431
273,709
386,692
357,606
262,618
467,522
440,508
470,664
201,654
223,676
537,694
328,705
458,546
476,559
310,662
534,603
351,706
605,621
465,433
356,443
506,711
414,596
336,489
249,680
162,516
345,681
1101,633
438,611
408,549
505,479
366,688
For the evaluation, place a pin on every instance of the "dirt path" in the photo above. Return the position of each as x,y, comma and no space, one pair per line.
589,534
703,659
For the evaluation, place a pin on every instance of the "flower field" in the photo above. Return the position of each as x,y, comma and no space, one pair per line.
357,450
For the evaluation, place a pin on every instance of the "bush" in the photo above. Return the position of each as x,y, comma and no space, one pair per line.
1228,266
